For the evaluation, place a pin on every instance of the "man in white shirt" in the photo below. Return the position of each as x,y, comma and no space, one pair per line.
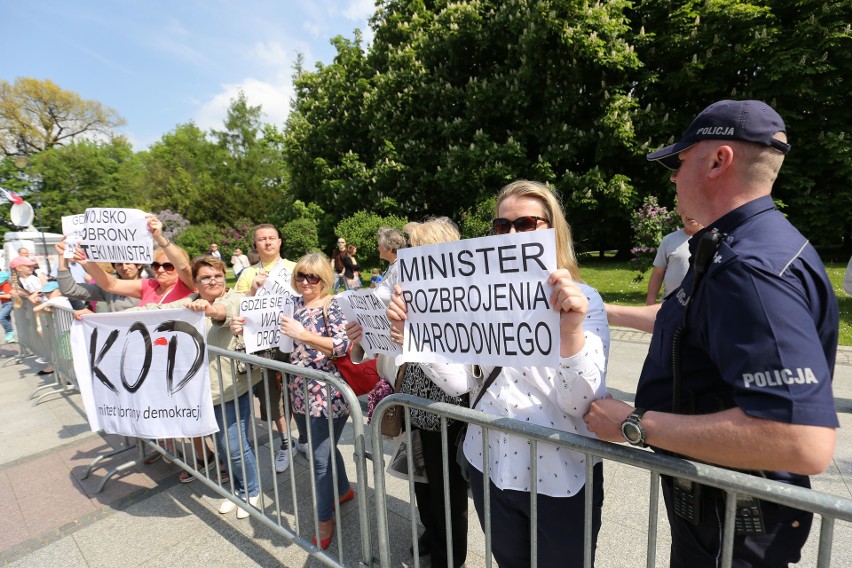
214,251
672,260
239,262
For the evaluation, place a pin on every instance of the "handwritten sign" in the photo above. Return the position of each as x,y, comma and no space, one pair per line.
481,301
72,228
116,235
145,373
262,315
368,310
278,281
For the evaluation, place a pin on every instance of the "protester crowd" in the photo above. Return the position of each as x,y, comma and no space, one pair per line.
751,297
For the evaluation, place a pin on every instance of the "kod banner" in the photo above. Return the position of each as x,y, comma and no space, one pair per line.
145,373
481,301
116,235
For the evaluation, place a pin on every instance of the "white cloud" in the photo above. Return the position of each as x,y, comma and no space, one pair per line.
274,100
271,53
314,28
359,10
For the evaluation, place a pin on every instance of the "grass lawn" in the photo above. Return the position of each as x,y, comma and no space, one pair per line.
614,280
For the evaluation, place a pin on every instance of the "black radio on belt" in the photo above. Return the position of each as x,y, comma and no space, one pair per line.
689,496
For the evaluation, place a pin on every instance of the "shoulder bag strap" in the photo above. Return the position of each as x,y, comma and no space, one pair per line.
400,375
494,373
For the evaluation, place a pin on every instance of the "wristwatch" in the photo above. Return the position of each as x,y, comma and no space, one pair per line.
632,429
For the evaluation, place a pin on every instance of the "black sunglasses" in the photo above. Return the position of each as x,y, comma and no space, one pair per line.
311,278
501,226
167,266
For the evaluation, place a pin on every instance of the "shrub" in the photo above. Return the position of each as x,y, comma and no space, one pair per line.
196,239
360,230
476,221
173,223
650,223
240,235
299,237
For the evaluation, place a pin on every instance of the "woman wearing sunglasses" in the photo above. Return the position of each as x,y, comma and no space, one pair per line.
317,330
552,397
231,395
173,275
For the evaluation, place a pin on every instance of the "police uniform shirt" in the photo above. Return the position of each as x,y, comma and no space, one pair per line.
762,328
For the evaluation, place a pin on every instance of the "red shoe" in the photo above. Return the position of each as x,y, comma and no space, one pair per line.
324,543
348,496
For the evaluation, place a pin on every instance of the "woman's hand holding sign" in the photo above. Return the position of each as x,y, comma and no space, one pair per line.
397,314
353,331
237,325
292,328
572,304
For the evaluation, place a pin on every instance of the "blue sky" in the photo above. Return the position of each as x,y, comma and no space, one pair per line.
160,64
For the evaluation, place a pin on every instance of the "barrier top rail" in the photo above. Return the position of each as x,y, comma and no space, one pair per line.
725,479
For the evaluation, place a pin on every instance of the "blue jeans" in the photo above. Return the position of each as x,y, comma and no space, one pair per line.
321,447
340,283
6,317
240,449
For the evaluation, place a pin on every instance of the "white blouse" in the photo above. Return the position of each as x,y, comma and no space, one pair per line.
556,398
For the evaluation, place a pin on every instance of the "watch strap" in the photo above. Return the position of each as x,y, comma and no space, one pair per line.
635,419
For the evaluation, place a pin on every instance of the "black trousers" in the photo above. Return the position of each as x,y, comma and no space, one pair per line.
430,498
700,546
560,524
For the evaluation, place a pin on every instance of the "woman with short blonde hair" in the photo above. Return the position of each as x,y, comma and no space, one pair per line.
317,330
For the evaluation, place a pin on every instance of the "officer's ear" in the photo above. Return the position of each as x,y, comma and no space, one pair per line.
723,159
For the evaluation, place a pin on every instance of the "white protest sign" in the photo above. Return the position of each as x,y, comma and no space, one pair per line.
261,328
117,235
278,281
481,301
145,373
368,310
72,228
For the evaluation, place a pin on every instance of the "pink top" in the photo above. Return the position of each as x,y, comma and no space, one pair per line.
150,296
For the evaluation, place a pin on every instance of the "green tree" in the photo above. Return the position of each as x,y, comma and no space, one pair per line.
68,179
177,174
454,100
797,56
250,180
37,115
299,237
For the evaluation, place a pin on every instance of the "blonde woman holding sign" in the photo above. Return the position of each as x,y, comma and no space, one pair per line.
552,397
317,330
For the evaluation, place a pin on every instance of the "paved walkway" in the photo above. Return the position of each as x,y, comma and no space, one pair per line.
145,518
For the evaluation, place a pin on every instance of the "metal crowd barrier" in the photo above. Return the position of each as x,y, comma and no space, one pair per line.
276,501
830,507
46,333
28,330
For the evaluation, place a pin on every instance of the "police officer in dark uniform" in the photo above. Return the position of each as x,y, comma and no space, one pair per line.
749,339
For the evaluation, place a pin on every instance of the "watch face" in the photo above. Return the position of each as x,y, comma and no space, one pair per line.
631,432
